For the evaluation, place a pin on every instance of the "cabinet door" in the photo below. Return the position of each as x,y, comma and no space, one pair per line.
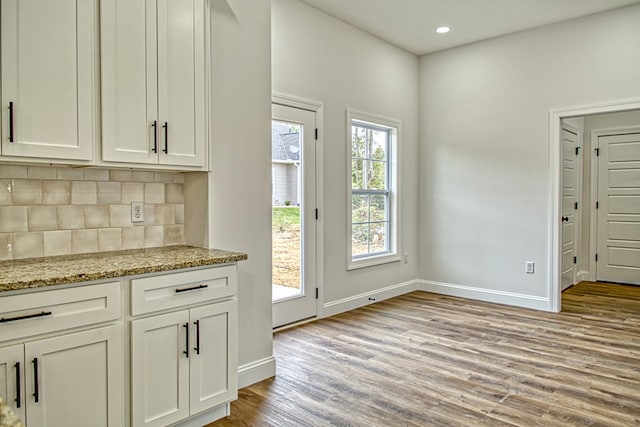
12,378
214,375
181,82
129,81
48,78
76,379
159,369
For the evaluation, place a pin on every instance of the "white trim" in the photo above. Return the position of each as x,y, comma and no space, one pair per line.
555,181
357,301
256,371
295,102
395,246
584,275
207,417
483,294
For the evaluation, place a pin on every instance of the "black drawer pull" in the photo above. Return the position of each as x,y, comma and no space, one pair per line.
193,288
155,136
26,316
18,402
197,347
166,138
36,392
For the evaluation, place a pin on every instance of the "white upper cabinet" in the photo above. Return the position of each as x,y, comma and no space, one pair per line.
48,55
153,82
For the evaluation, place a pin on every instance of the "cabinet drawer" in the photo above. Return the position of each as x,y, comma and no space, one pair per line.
41,312
173,290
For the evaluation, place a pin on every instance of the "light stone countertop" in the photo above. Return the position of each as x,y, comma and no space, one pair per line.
51,271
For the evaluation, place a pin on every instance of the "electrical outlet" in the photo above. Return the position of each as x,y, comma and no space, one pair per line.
405,257
529,267
137,211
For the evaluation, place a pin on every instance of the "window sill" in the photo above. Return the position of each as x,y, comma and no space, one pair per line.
373,260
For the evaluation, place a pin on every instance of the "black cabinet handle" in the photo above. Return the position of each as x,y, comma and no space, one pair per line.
565,219
193,288
155,136
36,393
18,401
27,316
166,137
11,121
186,351
197,347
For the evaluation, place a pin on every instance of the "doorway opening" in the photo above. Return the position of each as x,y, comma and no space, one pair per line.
581,239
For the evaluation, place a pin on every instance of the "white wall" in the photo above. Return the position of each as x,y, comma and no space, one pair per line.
240,183
320,58
484,132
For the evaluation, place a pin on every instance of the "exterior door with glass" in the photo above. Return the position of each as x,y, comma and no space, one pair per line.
293,199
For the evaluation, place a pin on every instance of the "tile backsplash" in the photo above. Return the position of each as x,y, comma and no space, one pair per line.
47,211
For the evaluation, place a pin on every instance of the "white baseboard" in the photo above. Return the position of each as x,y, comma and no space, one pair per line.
257,371
357,301
583,275
488,295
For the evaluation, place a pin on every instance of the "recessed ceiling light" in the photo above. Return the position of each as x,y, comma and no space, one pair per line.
443,30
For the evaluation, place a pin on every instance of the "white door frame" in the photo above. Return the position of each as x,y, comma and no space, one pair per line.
318,109
555,192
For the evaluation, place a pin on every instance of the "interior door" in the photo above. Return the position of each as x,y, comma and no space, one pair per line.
294,214
619,208
570,195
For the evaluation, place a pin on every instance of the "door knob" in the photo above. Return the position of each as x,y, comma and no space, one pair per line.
565,219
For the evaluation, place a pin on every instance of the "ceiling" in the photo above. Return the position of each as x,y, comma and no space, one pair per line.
411,24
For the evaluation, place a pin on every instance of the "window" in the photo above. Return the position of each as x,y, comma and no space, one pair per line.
373,236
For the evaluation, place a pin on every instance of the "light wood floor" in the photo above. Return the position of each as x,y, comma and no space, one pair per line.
430,360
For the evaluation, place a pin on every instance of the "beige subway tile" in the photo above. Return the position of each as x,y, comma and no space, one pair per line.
179,213
96,216
6,188
164,214
150,214
13,218
70,217
41,172
132,192
13,172
28,245
178,178
133,237
27,192
142,176
84,193
120,175
42,218
153,236
163,177
56,192
57,242
173,193
120,215
173,235
109,239
6,246
70,174
84,241
96,174
109,193
153,193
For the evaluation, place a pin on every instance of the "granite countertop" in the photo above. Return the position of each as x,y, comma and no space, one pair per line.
51,271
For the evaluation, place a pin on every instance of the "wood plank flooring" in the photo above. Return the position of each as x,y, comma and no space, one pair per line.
430,360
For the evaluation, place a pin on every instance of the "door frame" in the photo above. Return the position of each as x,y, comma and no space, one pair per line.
555,181
317,108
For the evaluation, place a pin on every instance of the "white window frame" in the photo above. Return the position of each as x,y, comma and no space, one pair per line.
393,238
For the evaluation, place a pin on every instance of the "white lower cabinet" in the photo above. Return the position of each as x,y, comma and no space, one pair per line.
183,363
68,380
